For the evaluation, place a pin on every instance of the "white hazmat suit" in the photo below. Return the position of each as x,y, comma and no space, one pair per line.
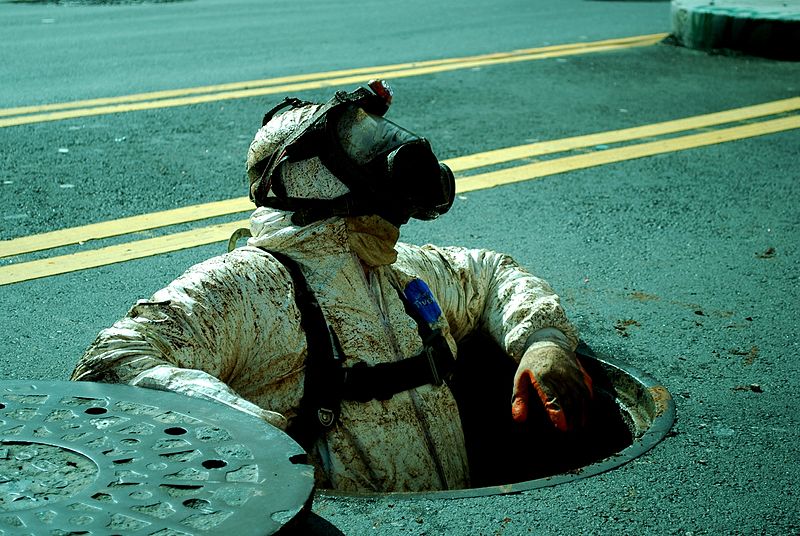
229,330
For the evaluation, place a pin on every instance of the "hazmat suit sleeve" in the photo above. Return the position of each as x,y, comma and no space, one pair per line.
483,290
211,333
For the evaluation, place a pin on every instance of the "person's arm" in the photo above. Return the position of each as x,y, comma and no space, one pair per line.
209,334
481,290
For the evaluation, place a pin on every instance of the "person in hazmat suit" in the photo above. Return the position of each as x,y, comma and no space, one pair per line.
326,326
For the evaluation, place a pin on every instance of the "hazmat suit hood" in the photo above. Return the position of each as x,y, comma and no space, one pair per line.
371,238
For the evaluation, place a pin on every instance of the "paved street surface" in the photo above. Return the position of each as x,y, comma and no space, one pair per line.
656,188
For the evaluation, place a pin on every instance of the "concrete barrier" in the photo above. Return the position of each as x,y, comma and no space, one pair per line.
768,28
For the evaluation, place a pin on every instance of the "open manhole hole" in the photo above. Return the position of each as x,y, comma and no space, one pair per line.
91,458
631,413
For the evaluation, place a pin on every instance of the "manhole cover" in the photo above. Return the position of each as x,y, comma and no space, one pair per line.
90,458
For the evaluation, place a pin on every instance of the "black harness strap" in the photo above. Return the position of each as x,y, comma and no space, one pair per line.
433,365
328,382
319,407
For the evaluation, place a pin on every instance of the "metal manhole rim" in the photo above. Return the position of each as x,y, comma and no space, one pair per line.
658,430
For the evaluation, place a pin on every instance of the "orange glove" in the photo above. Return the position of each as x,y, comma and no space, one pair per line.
560,382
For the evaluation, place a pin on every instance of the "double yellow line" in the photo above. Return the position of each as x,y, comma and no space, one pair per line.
653,140
93,258
289,84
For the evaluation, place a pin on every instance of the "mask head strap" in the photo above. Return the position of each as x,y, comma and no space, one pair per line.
285,103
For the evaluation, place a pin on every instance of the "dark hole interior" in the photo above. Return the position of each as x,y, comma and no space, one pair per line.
300,459
214,464
96,411
175,430
197,504
182,487
2,406
494,441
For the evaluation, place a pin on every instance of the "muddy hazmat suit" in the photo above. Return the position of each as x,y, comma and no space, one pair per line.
229,330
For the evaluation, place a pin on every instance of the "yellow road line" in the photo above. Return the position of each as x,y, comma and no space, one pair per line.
629,152
121,226
508,154
317,84
155,95
75,235
16,273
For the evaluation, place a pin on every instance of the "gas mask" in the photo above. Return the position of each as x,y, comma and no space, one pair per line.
388,170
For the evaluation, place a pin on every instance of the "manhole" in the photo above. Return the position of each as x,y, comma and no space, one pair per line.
631,413
90,458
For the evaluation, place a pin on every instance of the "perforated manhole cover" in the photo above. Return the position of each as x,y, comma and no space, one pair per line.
89,458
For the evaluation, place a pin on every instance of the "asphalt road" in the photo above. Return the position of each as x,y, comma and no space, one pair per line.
683,264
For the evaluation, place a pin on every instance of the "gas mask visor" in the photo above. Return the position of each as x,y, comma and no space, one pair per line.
392,170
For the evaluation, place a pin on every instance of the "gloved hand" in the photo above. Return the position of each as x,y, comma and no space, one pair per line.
556,376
